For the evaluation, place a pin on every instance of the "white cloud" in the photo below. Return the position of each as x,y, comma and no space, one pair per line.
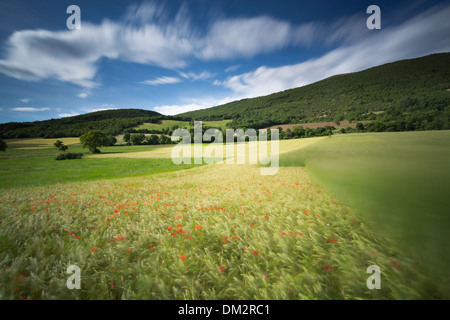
422,35
232,68
194,104
162,80
147,36
204,75
244,38
177,109
82,95
25,100
66,115
29,109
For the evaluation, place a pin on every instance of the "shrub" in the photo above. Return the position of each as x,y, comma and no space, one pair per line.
69,156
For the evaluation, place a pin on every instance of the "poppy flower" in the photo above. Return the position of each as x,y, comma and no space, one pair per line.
255,252
183,257
94,249
198,227
222,268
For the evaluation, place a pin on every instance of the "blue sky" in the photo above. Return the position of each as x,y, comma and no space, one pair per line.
175,56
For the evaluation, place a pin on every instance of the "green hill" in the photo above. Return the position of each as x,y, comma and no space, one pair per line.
417,87
405,95
111,122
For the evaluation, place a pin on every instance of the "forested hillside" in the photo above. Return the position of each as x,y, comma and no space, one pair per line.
408,90
111,122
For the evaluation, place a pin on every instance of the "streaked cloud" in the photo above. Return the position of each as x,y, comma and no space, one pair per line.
425,34
232,68
161,80
25,100
82,95
30,109
147,36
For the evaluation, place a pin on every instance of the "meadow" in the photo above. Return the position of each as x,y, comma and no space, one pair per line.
206,232
398,181
182,124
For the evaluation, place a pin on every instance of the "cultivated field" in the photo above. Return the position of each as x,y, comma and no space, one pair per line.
210,231
182,124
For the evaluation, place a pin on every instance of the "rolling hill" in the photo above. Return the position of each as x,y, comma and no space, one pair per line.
111,122
406,95
396,89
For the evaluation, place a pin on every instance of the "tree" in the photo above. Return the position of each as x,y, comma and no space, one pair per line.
164,139
112,140
153,140
60,145
93,140
360,126
3,145
126,137
137,139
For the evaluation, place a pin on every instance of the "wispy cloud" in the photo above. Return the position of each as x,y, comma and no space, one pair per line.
161,80
204,75
194,104
30,109
145,35
25,100
425,34
232,68
82,95
66,115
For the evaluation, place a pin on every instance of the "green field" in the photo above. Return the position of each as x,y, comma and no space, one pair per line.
399,181
226,231
182,124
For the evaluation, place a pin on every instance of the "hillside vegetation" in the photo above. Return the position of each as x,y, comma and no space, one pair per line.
413,90
406,95
111,122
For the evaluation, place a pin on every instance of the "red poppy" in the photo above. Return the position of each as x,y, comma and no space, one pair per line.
94,249
198,227
183,257
332,240
395,264
255,252
222,268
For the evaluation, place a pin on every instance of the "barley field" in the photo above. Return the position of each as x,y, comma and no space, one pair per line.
200,232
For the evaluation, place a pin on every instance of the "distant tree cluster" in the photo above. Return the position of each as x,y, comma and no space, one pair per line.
69,156
141,139
3,145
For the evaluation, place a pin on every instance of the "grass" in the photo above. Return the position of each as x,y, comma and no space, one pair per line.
36,144
204,233
164,124
36,165
182,124
398,180
210,232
